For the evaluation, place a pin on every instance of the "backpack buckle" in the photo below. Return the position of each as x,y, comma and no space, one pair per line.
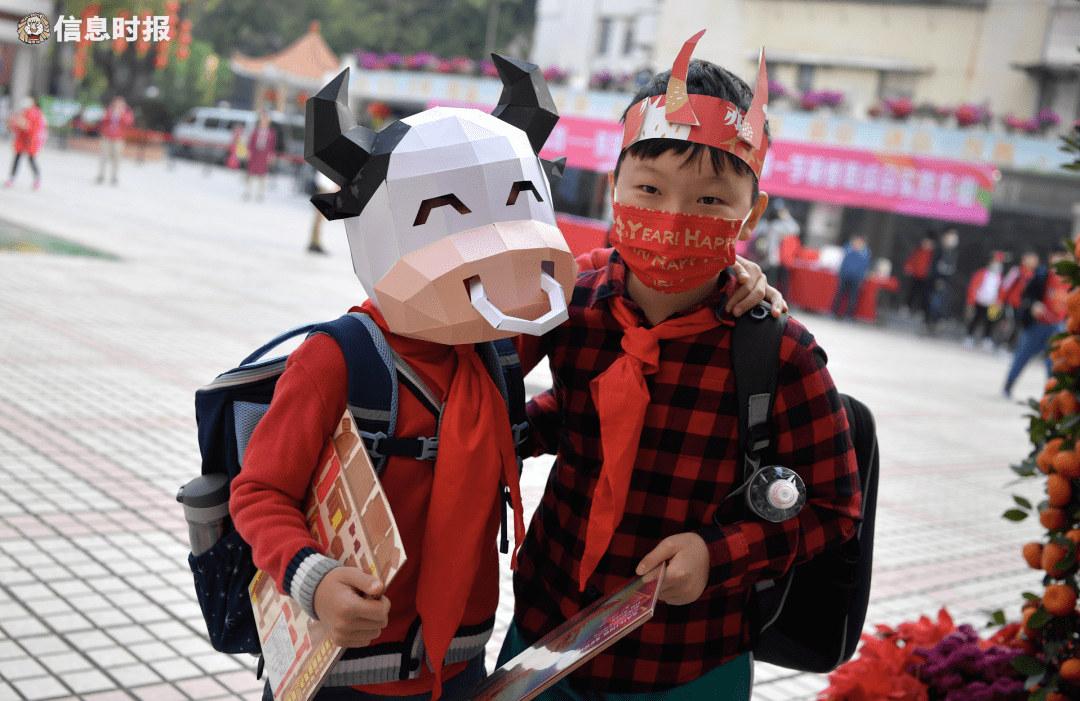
373,445
521,432
430,448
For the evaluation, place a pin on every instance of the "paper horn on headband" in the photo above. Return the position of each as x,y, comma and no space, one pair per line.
677,107
753,126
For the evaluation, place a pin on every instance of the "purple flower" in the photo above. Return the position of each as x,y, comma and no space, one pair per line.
1048,116
488,68
776,89
392,59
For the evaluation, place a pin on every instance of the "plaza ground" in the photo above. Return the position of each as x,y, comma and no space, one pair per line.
117,303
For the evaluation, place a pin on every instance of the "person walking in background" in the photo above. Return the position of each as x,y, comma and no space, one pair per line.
1011,296
917,268
853,271
115,125
942,268
783,247
1042,311
262,145
31,131
983,292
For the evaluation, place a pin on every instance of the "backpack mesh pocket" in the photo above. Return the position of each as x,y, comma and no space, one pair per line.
222,576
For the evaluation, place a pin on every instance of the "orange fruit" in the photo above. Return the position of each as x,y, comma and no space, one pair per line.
1074,536
1052,519
1030,633
1033,555
1059,600
1056,696
1059,489
1067,463
1051,384
1072,323
1066,402
1051,555
1032,603
1045,460
1072,301
1070,670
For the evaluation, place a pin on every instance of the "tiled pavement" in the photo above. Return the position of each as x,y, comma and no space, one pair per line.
99,359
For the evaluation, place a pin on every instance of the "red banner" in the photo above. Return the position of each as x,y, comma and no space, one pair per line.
920,186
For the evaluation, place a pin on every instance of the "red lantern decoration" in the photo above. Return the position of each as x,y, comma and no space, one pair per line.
301,98
270,95
142,44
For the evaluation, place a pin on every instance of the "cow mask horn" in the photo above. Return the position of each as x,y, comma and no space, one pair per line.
339,149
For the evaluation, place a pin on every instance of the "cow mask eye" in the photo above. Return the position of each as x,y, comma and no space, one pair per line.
431,203
518,187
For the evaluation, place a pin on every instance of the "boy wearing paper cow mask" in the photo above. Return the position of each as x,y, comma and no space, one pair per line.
643,415
452,235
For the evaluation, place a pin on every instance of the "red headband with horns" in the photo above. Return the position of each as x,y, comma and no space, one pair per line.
703,119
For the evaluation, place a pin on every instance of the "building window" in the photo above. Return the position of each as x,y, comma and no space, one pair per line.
804,79
893,86
628,40
605,36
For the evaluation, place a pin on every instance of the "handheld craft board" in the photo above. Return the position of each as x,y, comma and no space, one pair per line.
348,514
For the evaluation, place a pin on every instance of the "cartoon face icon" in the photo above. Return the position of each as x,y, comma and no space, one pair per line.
34,28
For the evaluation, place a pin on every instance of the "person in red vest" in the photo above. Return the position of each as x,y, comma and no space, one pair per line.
30,130
1010,298
917,268
1042,315
115,125
983,292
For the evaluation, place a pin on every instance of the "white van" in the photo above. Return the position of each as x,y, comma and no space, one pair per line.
205,133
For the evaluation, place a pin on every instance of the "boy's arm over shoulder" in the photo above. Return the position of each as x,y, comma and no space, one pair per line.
810,430
267,496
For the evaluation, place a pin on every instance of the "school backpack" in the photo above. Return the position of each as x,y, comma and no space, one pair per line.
228,409
810,619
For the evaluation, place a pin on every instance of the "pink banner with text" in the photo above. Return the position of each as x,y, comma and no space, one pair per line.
924,187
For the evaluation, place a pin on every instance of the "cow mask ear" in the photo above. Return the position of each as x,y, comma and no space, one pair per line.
525,101
333,143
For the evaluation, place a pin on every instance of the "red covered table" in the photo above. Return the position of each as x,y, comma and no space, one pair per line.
813,288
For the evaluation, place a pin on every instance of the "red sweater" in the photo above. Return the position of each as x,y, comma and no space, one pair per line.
278,465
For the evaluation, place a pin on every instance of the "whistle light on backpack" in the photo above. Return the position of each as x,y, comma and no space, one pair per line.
775,493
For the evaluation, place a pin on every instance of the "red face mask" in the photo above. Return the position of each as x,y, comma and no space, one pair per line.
674,252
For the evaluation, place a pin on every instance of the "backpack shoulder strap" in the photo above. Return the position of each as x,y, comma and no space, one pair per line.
502,363
755,355
374,372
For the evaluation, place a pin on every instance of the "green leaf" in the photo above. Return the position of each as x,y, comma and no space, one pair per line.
1022,502
1024,469
1015,515
1038,619
1031,597
1026,664
997,618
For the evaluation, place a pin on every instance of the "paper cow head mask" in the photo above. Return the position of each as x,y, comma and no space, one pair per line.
448,212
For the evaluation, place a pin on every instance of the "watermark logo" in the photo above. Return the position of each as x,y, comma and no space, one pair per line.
34,28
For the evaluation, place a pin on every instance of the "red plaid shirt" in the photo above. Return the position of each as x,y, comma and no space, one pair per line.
687,463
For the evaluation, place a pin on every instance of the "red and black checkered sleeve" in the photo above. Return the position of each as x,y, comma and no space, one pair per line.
811,432
545,423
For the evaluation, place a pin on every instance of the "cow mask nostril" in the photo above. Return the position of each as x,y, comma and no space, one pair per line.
535,327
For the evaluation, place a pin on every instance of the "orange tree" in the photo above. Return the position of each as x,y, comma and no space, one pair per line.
1050,634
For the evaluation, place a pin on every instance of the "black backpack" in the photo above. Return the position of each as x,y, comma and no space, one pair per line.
228,409
810,619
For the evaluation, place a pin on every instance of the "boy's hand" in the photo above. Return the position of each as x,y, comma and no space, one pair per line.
753,287
343,601
687,567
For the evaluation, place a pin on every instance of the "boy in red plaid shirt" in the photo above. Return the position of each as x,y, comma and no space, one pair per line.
643,411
